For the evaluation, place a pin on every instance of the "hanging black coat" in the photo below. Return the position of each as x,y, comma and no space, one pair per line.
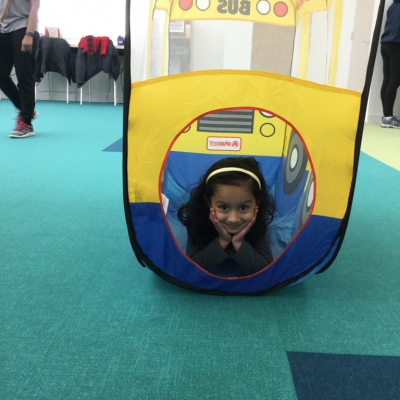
54,55
87,66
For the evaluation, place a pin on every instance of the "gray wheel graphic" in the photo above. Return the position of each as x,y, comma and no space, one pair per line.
308,202
295,165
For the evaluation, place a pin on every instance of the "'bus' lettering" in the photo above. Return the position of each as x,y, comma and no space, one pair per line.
222,7
244,7
232,7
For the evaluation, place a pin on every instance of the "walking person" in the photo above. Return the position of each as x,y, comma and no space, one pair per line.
18,41
390,50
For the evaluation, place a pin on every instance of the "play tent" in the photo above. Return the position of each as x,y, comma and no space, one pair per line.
284,81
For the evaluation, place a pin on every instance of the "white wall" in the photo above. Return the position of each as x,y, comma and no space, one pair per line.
221,45
344,56
318,60
77,18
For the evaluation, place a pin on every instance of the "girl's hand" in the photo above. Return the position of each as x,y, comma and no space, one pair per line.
223,236
237,239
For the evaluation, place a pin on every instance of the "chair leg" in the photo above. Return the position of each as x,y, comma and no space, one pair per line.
81,96
48,77
115,93
67,92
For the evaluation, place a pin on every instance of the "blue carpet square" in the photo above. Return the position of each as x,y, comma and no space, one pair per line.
115,147
345,377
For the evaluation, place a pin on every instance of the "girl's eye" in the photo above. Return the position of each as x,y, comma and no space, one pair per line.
223,208
244,208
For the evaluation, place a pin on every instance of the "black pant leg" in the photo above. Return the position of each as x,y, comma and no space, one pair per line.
392,50
24,64
7,85
386,76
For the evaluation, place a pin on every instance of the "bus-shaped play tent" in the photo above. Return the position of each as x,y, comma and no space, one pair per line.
284,81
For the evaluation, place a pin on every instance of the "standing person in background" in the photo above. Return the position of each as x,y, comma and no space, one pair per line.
390,50
18,41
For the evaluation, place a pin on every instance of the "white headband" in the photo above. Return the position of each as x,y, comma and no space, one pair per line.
228,169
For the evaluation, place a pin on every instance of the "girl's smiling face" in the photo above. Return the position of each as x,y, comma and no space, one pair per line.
234,206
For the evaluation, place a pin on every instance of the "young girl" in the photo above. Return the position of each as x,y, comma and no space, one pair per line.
226,219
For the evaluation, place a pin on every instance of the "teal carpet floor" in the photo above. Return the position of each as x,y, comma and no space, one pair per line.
81,319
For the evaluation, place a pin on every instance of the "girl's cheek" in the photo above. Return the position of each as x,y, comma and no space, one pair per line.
219,215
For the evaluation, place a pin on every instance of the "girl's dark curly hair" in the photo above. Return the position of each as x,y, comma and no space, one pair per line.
195,213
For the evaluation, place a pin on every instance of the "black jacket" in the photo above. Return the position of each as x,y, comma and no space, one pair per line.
54,55
248,260
391,33
88,66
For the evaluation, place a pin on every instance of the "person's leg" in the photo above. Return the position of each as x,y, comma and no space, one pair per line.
389,95
24,68
6,64
386,75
